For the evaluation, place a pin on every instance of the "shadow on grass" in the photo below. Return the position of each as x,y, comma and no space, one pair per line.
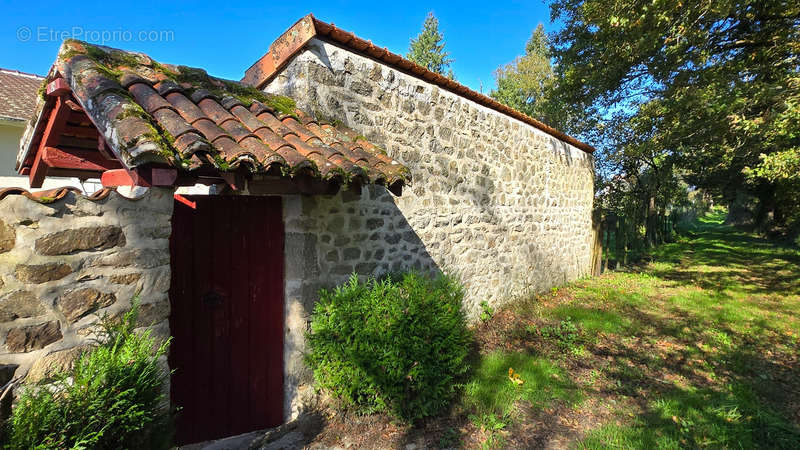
717,370
697,414
722,391
701,346
751,264
701,418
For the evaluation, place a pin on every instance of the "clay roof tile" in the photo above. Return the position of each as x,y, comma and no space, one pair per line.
18,94
183,117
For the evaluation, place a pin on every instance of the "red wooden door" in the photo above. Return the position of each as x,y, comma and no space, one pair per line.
227,316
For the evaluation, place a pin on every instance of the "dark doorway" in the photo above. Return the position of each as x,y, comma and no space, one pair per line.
227,315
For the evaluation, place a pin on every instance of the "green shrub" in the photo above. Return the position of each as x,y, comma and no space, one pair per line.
396,345
113,398
486,311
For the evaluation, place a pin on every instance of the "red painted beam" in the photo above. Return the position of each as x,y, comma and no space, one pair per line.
153,176
160,176
52,132
72,173
58,87
186,201
118,177
81,132
77,159
74,106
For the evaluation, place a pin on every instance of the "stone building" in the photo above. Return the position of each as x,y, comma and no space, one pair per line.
331,156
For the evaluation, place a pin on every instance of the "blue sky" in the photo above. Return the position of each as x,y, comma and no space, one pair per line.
226,37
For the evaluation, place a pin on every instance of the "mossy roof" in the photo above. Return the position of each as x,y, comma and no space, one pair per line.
150,112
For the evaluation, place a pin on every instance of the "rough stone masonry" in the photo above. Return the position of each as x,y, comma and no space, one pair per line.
66,263
497,202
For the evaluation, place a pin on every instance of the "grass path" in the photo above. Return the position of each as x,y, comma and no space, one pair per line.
697,349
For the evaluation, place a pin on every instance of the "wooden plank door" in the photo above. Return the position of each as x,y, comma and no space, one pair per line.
227,316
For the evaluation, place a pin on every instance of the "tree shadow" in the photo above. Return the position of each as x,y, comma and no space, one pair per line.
723,258
711,367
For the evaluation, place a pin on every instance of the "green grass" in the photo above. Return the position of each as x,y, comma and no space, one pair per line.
698,349
491,392
699,418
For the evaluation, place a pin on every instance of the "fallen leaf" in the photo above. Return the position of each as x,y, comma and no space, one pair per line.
514,377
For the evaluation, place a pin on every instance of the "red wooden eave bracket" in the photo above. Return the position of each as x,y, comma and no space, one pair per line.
186,201
146,176
77,159
58,87
50,137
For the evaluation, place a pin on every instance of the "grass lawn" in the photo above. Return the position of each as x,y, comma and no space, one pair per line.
700,348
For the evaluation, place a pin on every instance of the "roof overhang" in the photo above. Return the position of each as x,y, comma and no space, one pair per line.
295,39
64,141
130,121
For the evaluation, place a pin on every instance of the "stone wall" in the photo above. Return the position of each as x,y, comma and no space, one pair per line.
497,202
64,264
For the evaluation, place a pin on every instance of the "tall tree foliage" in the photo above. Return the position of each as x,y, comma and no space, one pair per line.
715,84
526,83
427,49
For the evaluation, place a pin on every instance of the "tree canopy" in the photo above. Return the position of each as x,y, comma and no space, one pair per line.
525,84
707,91
427,49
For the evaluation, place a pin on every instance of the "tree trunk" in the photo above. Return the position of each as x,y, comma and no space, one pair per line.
597,244
625,245
765,214
619,235
651,223
605,248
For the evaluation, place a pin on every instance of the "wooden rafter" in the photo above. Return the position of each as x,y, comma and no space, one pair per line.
50,138
77,159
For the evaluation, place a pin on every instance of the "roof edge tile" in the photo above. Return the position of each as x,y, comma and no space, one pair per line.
49,196
280,52
291,42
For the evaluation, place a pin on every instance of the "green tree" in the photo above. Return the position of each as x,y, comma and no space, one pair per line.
716,82
526,83
427,49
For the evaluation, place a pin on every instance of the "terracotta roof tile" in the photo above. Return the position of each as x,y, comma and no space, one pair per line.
273,123
146,96
176,115
190,143
295,160
186,108
209,129
228,148
173,122
18,94
300,131
53,195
